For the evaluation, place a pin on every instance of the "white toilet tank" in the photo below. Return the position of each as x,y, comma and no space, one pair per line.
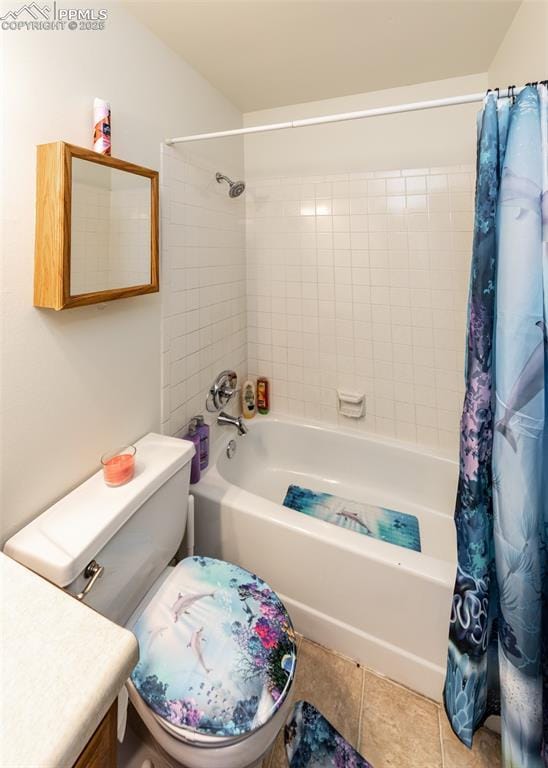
133,531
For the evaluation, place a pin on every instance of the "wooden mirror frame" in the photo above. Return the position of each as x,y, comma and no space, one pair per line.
53,227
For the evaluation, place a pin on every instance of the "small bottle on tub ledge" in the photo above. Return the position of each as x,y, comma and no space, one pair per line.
263,395
249,404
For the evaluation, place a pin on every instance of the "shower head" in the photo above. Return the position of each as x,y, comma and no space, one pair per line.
235,188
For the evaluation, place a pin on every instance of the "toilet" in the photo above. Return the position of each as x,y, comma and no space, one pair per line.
217,653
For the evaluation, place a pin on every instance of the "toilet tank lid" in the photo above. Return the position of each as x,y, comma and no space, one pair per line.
60,542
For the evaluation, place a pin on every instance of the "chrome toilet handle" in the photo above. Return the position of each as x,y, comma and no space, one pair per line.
93,571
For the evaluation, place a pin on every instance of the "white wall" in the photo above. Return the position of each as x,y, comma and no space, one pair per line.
523,54
413,140
81,381
358,248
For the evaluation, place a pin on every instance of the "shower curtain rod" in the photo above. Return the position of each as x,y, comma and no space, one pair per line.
412,107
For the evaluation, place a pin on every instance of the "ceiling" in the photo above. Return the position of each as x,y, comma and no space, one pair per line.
269,53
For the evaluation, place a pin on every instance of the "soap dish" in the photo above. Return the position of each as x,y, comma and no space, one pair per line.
351,404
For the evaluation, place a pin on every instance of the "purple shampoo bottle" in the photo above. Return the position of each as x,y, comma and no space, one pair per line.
194,437
203,431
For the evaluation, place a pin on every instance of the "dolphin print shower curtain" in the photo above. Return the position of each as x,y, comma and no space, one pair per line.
498,637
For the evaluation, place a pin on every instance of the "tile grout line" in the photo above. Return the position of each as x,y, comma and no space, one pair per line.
442,751
360,716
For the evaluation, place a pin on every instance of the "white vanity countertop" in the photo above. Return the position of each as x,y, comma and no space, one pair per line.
62,666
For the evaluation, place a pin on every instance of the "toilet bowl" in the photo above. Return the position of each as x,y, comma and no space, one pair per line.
216,645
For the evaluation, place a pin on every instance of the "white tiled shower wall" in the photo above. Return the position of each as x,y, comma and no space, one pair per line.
359,282
203,285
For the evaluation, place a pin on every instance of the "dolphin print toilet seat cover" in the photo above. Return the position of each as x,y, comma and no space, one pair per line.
217,649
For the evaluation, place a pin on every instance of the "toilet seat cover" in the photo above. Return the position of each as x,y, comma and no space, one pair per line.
217,649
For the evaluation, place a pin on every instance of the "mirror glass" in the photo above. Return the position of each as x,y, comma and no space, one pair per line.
110,228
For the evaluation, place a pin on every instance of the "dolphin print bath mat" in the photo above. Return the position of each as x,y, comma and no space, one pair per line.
379,523
312,742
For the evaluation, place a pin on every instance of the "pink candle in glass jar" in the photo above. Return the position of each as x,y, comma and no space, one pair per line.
119,466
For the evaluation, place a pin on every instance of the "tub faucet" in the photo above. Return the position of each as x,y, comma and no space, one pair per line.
234,421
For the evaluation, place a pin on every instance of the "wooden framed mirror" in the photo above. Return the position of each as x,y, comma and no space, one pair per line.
96,228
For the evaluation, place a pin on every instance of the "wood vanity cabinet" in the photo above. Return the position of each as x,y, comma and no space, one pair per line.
100,751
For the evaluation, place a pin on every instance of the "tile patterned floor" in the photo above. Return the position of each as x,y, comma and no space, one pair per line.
391,726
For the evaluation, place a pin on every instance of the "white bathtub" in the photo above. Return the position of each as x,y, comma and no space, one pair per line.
383,605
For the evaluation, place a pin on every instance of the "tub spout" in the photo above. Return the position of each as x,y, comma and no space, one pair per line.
234,421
